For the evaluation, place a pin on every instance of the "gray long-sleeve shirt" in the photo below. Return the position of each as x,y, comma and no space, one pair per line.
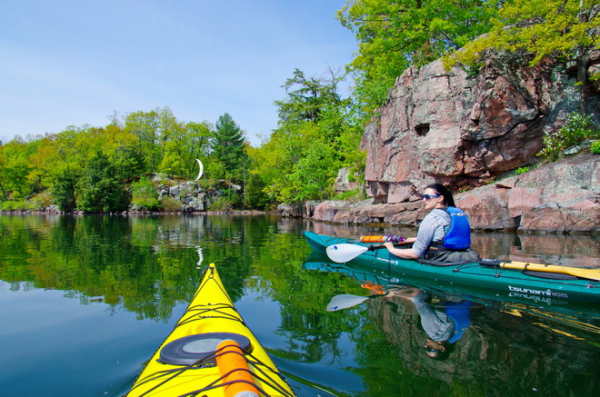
432,229
436,323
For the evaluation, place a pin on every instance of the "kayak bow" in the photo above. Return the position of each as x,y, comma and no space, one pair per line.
211,352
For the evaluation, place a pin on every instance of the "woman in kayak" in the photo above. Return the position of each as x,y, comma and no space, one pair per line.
444,236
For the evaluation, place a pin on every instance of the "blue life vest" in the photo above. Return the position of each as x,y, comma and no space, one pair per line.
458,236
460,313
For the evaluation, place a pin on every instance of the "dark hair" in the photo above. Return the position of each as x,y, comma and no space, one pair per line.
443,190
442,356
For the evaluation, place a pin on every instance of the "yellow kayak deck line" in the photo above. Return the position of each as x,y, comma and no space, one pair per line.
194,360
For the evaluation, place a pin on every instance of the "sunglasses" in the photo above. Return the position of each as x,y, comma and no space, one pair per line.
429,196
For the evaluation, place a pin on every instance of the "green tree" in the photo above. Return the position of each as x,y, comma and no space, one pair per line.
122,151
537,30
318,133
62,161
146,127
2,181
186,143
63,190
395,34
58,164
307,97
228,146
101,187
57,154
15,167
174,159
255,192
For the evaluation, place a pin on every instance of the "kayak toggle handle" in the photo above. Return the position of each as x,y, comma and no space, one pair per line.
235,371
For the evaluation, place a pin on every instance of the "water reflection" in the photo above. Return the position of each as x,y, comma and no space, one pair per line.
134,274
445,342
500,353
444,323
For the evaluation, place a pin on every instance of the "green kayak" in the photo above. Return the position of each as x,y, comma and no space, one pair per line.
501,278
378,282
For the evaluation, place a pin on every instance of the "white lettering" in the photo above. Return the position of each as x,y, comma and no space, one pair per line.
547,292
537,299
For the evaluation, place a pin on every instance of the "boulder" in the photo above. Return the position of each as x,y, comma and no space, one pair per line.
563,196
291,210
194,204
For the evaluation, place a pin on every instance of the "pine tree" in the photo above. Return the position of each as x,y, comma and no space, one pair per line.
228,146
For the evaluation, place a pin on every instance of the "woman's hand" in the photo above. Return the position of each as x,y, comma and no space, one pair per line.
402,253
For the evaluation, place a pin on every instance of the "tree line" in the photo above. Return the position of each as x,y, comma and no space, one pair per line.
90,168
319,130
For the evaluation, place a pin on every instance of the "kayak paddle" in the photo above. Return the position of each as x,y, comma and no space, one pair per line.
342,253
382,239
345,301
590,274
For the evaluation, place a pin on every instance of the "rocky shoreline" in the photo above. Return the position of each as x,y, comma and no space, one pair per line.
560,197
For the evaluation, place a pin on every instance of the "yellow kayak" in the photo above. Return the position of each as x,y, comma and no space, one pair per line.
211,352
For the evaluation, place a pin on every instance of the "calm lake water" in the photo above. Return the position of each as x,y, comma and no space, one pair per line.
85,301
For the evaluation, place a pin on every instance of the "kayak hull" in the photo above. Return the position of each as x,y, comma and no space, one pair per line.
505,281
187,360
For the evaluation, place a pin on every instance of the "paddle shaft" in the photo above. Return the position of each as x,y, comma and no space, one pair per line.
591,274
382,239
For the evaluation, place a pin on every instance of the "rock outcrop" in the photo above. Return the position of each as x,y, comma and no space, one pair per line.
188,196
447,127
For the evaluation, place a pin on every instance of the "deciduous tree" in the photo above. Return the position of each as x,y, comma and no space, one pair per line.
395,34
540,29
317,135
14,168
186,142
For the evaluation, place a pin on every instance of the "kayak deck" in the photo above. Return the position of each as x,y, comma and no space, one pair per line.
192,361
493,276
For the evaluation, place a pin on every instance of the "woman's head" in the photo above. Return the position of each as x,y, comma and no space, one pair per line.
438,350
438,188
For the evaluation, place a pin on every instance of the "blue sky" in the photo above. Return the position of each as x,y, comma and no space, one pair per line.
71,62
